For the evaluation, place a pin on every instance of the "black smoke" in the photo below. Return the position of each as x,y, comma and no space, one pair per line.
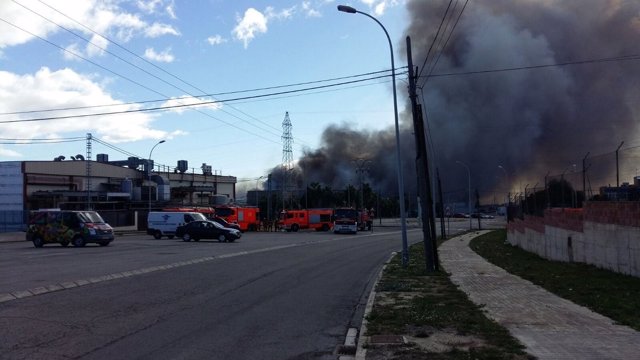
530,121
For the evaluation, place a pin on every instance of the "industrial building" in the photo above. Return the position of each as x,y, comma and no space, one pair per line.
117,189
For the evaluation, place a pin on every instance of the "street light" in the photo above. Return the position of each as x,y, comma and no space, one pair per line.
258,179
149,171
469,182
506,210
405,251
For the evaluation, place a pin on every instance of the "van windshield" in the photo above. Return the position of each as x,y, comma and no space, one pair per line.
90,217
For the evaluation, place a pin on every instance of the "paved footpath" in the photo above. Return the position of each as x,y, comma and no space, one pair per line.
550,327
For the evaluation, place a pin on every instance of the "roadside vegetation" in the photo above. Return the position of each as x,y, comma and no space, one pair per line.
608,293
436,319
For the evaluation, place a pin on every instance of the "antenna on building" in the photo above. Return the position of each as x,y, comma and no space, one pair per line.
287,153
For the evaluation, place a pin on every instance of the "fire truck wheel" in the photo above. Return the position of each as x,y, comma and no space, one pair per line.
252,227
325,227
295,227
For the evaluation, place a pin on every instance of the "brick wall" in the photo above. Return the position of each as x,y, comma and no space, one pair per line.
605,234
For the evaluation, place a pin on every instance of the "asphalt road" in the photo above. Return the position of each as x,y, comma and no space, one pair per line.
266,296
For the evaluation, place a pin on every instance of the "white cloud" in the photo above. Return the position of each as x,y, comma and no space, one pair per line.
216,40
309,10
190,100
104,17
149,6
380,6
271,13
158,29
65,88
253,22
164,56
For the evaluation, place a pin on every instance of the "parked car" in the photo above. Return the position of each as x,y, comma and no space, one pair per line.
207,229
68,227
225,223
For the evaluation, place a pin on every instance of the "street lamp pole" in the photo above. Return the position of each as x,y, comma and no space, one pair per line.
506,210
405,251
258,179
149,172
469,183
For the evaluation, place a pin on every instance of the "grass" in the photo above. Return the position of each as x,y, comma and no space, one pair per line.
426,306
608,293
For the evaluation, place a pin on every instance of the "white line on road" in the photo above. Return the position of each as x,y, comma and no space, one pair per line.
98,279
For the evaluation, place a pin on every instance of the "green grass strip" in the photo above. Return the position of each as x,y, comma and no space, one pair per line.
611,294
424,303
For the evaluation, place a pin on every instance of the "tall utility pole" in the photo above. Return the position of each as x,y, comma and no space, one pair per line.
617,167
287,153
88,170
422,165
584,176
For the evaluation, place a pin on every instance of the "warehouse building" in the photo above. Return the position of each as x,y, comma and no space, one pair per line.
122,191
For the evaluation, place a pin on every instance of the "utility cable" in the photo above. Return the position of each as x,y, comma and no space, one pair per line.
139,68
169,107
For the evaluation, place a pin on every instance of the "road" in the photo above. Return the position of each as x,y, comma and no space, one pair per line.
266,296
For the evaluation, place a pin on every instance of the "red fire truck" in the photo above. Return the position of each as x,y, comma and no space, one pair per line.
317,219
247,217
206,211
350,220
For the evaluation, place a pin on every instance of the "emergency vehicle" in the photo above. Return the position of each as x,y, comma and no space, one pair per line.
350,220
208,212
247,217
294,220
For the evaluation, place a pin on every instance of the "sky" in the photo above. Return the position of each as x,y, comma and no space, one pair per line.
520,91
69,68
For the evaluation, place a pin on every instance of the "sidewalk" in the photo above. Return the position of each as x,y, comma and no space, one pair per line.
549,326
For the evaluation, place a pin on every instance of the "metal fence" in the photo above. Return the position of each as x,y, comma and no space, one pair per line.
612,176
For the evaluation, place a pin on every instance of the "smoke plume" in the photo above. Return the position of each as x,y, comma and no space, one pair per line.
531,121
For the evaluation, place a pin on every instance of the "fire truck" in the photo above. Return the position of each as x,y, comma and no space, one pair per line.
350,220
294,220
206,211
248,218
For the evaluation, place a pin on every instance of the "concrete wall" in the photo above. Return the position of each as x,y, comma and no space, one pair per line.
604,234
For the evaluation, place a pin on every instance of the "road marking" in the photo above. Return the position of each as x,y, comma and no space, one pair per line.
15,295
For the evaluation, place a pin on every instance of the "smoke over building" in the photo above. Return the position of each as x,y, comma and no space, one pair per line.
532,121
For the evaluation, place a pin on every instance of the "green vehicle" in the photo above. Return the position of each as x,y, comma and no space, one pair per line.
68,227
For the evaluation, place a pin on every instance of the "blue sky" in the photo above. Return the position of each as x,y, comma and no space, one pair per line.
190,48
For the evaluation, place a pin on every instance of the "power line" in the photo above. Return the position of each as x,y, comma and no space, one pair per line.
530,67
169,107
435,38
28,142
206,95
447,41
163,70
126,78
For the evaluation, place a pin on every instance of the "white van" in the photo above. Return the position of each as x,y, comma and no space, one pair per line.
164,223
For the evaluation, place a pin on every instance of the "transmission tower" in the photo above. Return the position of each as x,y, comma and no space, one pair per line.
287,154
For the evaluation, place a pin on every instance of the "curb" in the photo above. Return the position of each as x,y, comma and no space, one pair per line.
361,352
